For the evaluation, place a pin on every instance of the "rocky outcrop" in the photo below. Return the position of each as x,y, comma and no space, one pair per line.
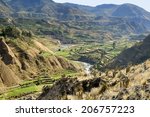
129,83
132,83
70,86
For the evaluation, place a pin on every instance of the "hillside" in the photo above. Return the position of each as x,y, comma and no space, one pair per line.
128,83
48,8
103,22
45,9
132,56
4,9
129,12
25,58
131,85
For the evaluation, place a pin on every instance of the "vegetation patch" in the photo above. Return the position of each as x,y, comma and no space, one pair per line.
45,54
18,92
64,73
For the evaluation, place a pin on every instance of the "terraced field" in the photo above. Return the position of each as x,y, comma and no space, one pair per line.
97,54
33,87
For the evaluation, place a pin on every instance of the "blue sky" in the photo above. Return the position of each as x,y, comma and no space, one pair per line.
142,3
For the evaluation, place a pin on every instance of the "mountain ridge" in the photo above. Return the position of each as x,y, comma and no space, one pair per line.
137,54
104,9
67,11
104,17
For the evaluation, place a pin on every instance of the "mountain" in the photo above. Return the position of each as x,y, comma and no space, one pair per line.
124,10
132,56
125,18
136,18
134,14
50,8
26,58
4,9
105,9
130,10
44,8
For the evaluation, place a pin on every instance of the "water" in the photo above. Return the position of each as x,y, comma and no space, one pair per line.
65,46
87,67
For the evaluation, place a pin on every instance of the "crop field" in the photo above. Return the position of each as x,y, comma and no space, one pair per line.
95,52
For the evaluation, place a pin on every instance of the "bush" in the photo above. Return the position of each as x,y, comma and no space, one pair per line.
27,33
11,32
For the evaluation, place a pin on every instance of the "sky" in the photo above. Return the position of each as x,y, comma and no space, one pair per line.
142,3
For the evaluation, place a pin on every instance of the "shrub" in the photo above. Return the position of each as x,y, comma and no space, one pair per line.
11,32
27,33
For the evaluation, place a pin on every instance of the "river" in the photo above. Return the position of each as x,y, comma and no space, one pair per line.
66,46
86,66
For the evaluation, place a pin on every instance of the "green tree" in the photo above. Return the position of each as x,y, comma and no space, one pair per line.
114,45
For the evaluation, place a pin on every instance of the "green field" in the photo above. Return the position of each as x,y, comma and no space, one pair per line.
34,86
95,53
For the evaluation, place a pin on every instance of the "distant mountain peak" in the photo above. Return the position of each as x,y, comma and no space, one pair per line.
106,5
129,10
